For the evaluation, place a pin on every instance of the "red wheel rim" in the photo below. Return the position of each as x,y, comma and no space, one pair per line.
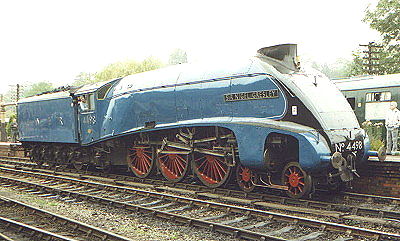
294,179
245,174
246,178
173,166
212,170
140,160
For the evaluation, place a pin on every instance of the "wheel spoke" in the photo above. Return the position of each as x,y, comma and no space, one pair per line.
300,188
179,165
206,168
298,182
214,172
219,173
163,156
140,160
219,170
222,168
202,164
173,166
145,156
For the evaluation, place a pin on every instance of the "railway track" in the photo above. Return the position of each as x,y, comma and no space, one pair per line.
317,201
240,221
357,207
347,205
20,221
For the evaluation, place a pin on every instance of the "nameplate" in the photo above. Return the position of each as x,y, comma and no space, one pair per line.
252,95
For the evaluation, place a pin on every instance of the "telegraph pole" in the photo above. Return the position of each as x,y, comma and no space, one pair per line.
18,92
372,61
3,133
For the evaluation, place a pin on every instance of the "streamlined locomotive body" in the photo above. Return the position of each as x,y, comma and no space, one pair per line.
263,121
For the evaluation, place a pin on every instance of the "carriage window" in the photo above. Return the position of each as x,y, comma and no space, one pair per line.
378,96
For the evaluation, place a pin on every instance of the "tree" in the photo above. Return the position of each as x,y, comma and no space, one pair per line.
84,78
178,56
38,88
385,18
119,69
340,69
356,67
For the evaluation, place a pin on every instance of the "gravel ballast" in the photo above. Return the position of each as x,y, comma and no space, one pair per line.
136,226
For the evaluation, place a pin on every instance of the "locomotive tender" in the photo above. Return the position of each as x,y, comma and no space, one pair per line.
263,121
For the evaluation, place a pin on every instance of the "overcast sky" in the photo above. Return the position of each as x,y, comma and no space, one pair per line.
56,40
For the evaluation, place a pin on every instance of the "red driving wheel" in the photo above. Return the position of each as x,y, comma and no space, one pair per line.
297,180
173,164
212,170
246,178
141,160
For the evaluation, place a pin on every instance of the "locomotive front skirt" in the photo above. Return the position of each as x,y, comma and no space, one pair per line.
265,121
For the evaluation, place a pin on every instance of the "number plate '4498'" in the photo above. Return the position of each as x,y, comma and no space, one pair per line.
349,146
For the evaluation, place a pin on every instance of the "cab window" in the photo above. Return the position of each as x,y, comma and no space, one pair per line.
86,102
102,92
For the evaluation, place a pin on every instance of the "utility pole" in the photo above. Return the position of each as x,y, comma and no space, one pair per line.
18,92
372,61
3,133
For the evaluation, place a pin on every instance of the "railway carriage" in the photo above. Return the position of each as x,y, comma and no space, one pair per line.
370,96
263,122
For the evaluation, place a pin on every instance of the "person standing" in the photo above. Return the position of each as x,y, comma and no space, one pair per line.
392,123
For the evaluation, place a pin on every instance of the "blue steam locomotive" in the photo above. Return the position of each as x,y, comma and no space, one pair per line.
263,122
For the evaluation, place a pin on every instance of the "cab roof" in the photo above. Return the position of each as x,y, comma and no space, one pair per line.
92,87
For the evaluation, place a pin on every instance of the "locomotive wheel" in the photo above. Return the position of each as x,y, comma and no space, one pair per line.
141,160
79,162
212,171
79,165
173,166
49,157
68,157
297,180
60,157
246,178
36,156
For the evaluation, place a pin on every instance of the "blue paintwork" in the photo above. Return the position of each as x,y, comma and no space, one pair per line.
87,126
190,95
190,101
51,118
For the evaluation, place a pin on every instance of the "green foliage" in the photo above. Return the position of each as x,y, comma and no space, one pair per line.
178,56
356,67
375,132
385,18
84,78
12,119
37,88
119,69
340,69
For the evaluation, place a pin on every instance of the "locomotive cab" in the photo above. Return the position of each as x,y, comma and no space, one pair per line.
90,102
